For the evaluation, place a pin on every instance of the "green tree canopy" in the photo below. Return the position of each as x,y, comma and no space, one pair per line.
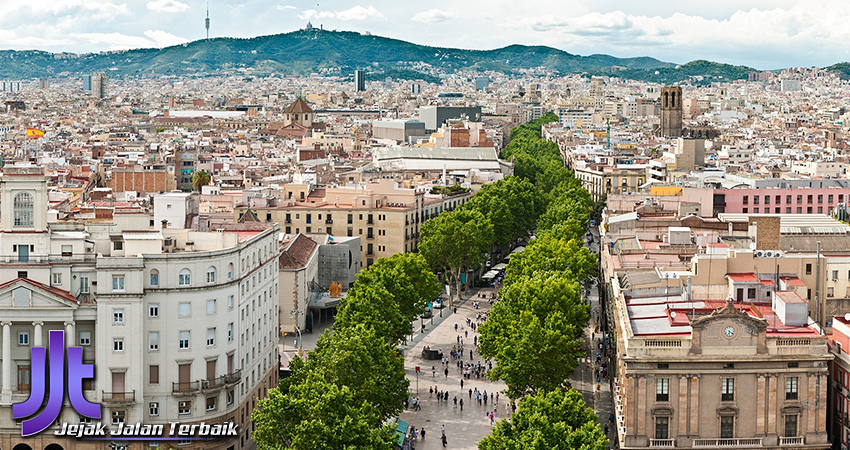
550,254
534,333
374,306
357,357
556,420
512,205
454,241
317,413
407,277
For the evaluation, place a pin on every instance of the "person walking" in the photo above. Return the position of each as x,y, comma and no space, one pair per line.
443,438
422,433
446,372
461,383
461,404
433,371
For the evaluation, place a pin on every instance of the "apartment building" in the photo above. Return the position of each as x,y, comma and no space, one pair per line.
181,326
386,217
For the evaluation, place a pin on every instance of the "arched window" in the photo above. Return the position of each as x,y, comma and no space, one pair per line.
185,278
23,208
230,271
154,277
211,275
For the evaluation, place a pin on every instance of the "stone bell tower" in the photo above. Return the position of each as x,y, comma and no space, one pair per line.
671,111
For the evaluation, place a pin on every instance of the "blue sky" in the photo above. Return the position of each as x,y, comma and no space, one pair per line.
760,33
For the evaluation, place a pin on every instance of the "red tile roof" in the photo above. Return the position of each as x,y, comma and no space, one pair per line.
298,252
743,277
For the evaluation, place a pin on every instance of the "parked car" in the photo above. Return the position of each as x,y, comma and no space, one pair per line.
426,314
438,304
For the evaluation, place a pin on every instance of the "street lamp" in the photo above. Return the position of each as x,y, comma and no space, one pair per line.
297,313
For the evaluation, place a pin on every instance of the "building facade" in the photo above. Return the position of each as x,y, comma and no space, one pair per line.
181,326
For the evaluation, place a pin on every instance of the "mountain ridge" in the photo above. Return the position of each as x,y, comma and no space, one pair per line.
309,51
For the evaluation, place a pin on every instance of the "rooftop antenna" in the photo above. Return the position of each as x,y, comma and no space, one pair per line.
207,21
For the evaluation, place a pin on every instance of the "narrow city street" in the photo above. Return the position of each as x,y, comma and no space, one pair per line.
595,390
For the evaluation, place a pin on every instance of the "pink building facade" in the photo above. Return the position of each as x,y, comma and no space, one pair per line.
780,201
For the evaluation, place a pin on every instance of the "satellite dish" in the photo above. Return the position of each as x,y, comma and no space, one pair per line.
847,317
673,314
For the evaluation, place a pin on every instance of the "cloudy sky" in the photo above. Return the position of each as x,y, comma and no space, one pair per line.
765,34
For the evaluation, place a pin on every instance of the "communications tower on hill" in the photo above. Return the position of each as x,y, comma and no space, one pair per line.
207,22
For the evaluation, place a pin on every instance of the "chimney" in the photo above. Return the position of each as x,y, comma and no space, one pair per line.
164,223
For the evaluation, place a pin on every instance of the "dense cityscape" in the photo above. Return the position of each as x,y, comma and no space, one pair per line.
453,252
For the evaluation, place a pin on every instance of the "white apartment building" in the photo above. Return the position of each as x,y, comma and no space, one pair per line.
181,326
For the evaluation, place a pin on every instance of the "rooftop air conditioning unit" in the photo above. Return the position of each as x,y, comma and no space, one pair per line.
759,254
777,254
768,254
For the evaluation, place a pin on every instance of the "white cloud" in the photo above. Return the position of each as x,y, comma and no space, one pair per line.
433,16
284,7
355,13
359,13
167,6
112,41
164,38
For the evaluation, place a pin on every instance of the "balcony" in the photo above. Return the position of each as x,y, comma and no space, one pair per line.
119,397
662,443
370,236
795,441
185,387
329,221
732,443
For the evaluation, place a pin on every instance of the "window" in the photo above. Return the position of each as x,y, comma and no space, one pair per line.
56,279
154,277
230,271
755,199
118,344
766,199
153,408
22,209
153,374
85,338
211,275
184,278
85,420
118,245
184,308
153,310
829,198
791,389
662,390
820,198
211,306
229,398
118,315
799,199
662,427
85,284
23,338
117,282
728,390
229,302
153,340
791,425
746,199
210,337
211,403
183,343
230,332
808,269
830,291
184,407
118,417
727,427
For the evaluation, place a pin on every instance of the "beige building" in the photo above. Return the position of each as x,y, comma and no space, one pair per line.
387,218
712,374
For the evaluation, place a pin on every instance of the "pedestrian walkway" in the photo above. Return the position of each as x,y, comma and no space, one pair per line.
464,429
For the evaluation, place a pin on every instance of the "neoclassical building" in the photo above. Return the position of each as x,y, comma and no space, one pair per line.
180,325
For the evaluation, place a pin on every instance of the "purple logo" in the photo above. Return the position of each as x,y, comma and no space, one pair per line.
76,372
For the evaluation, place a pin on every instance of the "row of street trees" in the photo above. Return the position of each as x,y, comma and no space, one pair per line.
534,332
341,396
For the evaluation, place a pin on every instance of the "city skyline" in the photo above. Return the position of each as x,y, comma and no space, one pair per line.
760,34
